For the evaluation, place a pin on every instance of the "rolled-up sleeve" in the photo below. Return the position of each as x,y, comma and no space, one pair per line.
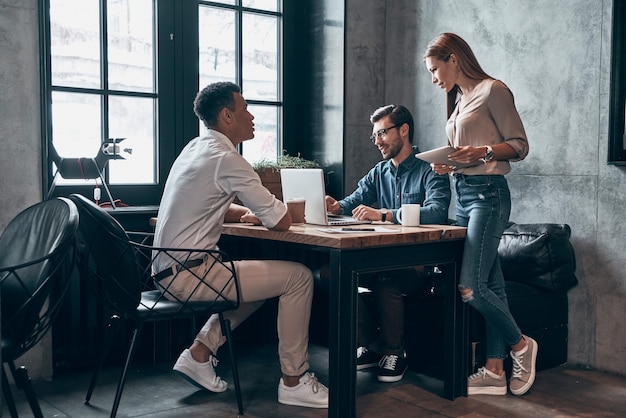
366,193
238,177
437,200
502,107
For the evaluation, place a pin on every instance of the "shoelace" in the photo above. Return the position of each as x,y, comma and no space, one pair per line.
315,384
361,351
213,361
389,362
482,372
517,366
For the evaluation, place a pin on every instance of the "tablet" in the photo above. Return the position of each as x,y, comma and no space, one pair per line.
440,156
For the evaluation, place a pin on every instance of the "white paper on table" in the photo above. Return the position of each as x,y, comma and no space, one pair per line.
357,230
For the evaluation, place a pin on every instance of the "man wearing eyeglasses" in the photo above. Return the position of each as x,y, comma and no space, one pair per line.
399,179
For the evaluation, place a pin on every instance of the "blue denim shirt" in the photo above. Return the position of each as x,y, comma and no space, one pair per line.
412,182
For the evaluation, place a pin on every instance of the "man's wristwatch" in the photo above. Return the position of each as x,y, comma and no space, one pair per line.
383,212
488,154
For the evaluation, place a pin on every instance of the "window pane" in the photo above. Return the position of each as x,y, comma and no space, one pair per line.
260,57
76,122
231,2
75,43
270,5
218,60
265,143
130,45
133,118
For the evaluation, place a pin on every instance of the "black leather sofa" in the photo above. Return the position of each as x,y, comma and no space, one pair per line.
538,263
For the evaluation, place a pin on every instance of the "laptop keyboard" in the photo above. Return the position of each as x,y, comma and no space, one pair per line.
337,220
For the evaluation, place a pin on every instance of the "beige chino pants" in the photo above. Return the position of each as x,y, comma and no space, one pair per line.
259,280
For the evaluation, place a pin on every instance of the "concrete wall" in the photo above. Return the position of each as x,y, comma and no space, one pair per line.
20,137
555,57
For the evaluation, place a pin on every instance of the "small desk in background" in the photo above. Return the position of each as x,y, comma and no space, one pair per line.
135,218
362,252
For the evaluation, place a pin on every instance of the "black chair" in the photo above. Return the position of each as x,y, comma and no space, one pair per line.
119,270
37,261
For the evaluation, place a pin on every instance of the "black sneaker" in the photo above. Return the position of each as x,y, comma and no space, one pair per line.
366,358
391,368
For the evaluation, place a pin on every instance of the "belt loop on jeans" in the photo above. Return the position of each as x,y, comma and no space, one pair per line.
176,268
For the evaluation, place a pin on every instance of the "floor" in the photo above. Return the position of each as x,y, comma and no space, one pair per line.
155,391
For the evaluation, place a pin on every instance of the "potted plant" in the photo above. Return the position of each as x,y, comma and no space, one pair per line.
269,170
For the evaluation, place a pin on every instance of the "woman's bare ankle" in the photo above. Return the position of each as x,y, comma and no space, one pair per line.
519,346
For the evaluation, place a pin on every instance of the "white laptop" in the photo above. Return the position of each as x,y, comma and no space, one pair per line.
308,183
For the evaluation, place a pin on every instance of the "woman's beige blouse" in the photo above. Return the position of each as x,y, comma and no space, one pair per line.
488,116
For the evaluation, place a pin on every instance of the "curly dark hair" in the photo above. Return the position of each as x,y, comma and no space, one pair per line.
398,115
212,99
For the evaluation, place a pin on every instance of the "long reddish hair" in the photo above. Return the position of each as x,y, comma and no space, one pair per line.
441,47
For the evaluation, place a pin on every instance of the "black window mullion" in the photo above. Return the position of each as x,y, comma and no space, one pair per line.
167,85
239,43
187,69
45,84
104,73
104,80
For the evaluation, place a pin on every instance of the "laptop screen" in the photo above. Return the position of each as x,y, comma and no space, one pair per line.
307,183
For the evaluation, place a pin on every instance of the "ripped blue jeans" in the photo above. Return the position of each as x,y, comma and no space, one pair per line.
483,205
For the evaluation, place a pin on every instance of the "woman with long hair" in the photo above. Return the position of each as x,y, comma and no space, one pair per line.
486,130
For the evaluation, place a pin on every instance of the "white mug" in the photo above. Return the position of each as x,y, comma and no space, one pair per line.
409,214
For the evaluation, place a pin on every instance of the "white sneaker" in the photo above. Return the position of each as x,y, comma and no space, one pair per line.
199,374
309,393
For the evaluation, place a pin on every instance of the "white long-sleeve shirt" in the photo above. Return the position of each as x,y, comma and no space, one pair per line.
203,181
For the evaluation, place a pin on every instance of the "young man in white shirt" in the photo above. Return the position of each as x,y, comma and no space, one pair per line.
202,184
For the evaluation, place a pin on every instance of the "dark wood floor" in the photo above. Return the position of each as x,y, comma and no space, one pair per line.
155,391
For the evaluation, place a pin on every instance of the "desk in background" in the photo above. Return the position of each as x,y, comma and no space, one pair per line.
135,218
355,253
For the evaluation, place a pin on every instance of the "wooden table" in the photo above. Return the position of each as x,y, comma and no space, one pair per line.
361,252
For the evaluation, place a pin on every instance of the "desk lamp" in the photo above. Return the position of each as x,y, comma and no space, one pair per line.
87,168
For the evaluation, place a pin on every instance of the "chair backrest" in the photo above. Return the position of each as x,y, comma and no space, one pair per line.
105,259
36,257
119,270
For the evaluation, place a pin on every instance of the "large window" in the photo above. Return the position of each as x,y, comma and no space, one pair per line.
103,83
241,43
130,68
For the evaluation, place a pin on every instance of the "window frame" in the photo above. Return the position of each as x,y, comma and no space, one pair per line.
617,117
177,75
279,103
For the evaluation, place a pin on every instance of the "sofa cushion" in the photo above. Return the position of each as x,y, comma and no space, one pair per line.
535,308
538,255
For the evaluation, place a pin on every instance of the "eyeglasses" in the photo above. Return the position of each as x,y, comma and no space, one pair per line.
382,133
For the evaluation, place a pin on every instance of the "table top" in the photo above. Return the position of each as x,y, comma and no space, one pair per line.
134,210
312,235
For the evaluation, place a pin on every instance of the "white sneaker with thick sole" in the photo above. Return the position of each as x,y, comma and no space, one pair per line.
201,375
309,393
